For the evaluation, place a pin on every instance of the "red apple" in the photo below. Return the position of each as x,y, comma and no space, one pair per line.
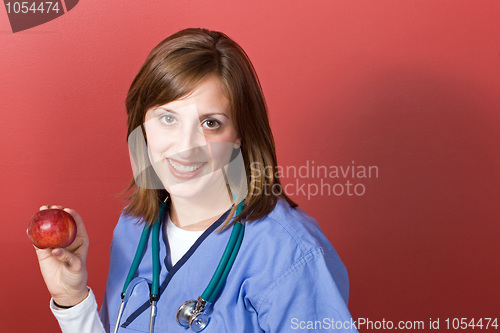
52,228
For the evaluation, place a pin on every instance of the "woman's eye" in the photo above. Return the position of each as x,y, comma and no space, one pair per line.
168,119
211,123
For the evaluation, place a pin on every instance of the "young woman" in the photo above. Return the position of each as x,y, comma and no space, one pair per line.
205,179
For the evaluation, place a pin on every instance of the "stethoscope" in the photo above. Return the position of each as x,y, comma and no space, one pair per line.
191,313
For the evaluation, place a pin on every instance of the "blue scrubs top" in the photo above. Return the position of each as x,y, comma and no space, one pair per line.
287,277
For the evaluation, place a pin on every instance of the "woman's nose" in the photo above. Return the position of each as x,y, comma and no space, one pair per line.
190,140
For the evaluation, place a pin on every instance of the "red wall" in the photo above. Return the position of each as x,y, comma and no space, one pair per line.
411,87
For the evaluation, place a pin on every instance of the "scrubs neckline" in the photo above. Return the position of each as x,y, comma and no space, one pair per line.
173,269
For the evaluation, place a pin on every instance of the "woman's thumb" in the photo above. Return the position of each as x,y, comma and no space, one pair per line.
66,257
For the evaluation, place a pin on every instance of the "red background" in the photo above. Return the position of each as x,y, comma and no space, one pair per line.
409,86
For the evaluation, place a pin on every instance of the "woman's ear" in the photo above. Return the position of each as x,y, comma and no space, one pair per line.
237,143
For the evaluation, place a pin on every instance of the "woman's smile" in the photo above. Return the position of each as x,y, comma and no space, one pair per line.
185,170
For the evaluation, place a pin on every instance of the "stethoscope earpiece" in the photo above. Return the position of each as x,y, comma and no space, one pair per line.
190,315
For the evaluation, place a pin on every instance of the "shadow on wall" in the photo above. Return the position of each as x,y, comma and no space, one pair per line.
427,233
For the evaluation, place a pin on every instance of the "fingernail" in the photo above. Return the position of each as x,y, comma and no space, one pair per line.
56,252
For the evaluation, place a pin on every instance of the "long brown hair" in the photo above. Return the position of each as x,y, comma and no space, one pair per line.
172,70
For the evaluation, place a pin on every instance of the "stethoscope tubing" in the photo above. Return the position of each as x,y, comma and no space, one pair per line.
229,265
216,282
155,249
225,263
227,260
137,258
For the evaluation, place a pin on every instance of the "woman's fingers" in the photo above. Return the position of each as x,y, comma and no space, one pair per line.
42,254
78,219
51,207
67,258
81,242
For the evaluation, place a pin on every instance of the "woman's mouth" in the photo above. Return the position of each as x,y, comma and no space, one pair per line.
185,170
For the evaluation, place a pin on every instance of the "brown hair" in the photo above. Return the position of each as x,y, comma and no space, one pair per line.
172,70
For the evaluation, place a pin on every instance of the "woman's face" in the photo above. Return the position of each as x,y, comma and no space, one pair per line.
191,139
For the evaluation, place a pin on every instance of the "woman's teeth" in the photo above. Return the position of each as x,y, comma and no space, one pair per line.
184,168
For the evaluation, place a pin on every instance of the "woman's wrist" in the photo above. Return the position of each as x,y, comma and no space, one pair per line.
66,302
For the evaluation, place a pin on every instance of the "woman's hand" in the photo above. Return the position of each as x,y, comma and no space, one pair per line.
64,270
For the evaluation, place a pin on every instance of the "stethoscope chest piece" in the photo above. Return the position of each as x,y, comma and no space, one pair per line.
190,315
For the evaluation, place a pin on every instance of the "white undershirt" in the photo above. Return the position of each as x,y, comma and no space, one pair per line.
180,240
82,318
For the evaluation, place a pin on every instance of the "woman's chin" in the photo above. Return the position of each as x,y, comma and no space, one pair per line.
193,189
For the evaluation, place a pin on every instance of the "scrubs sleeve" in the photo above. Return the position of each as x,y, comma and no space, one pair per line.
309,296
82,318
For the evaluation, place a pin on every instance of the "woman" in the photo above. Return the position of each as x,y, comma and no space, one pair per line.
202,150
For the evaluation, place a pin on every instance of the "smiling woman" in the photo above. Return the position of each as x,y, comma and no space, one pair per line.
203,157
173,72
186,152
